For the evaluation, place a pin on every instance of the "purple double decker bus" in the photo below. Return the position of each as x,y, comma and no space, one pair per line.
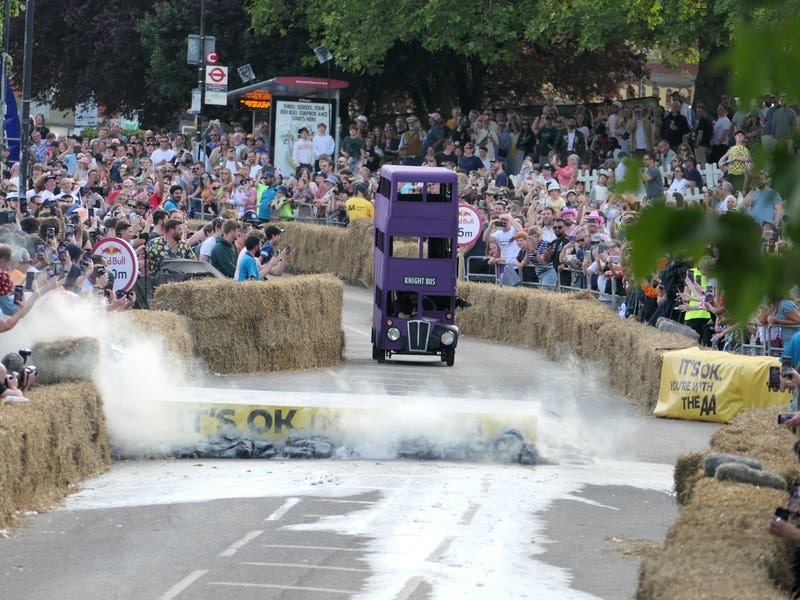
416,263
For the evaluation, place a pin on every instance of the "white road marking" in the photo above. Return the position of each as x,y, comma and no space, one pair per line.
231,550
336,501
182,585
283,587
409,588
469,515
306,566
440,550
287,506
300,547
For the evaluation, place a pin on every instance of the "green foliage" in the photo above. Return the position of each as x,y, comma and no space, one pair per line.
763,59
361,33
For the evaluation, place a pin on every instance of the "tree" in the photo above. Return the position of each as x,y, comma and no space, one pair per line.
85,49
460,51
762,58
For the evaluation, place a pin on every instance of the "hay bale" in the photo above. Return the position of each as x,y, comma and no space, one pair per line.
757,434
720,548
577,322
49,444
318,249
65,360
257,326
172,330
688,469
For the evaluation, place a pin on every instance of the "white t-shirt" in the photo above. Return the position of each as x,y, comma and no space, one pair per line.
160,156
721,125
207,246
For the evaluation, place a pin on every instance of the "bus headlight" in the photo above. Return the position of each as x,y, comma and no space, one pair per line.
393,333
447,339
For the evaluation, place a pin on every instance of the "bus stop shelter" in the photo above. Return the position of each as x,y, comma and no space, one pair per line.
292,103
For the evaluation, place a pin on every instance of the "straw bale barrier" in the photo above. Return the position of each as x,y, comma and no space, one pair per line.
70,359
343,252
555,322
720,542
172,330
257,326
720,548
49,445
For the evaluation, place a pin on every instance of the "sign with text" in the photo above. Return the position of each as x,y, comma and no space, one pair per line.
469,224
216,85
86,114
121,260
290,116
703,385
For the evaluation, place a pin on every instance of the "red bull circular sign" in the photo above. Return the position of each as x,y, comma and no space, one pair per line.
469,224
121,259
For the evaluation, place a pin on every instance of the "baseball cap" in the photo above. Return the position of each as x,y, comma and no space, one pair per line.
272,230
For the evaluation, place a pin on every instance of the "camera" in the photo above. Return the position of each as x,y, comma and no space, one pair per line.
784,513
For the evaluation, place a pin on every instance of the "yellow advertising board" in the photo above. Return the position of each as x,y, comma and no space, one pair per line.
202,413
704,385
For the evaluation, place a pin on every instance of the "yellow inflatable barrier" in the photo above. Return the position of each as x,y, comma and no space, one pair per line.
704,385
199,413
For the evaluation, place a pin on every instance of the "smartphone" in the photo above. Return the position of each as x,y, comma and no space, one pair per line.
774,381
783,513
614,259
783,417
51,233
29,277
786,365
19,293
709,294
690,275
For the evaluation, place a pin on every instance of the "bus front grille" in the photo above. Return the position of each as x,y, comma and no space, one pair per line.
418,332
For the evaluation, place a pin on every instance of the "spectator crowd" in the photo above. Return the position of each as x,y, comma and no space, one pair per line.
542,183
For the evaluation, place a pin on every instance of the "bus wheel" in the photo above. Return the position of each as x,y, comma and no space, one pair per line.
449,356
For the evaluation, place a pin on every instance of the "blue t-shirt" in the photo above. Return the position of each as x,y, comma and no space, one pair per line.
762,207
267,196
248,269
267,251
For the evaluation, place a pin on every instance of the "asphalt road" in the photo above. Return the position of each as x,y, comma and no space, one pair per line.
376,527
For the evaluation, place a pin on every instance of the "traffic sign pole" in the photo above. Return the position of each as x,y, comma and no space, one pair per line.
201,84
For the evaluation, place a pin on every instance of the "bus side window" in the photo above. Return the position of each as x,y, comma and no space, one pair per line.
440,192
380,240
439,248
408,191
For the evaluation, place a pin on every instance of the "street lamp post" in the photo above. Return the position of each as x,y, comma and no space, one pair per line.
325,57
27,74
